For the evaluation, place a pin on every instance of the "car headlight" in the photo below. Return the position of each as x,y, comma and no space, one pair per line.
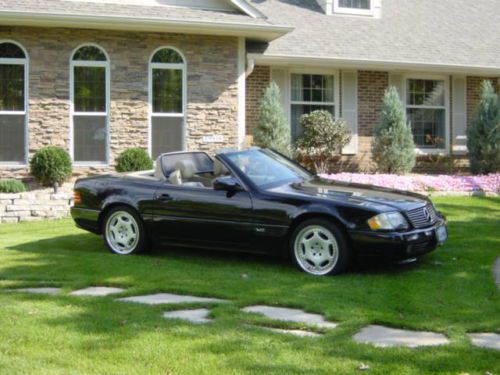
388,221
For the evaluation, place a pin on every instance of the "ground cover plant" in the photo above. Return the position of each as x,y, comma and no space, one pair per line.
451,291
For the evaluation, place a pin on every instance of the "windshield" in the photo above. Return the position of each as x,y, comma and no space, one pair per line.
265,167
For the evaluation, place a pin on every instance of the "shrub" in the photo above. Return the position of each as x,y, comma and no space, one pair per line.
11,186
483,136
133,160
51,166
322,138
393,148
272,130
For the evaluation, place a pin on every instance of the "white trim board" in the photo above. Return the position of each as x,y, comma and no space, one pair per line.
241,92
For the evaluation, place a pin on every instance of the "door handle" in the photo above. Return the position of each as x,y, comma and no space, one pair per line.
164,197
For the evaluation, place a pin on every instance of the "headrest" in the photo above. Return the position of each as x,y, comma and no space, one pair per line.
219,168
159,170
186,167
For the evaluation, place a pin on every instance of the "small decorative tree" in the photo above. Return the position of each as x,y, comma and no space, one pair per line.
393,149
51,166
272,130
322,138
483,136
133,160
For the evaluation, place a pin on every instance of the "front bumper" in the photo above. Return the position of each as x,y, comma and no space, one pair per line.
397,245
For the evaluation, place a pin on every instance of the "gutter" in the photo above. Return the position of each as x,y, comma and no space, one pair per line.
369,64
262,32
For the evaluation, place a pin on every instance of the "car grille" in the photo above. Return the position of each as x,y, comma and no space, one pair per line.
423,216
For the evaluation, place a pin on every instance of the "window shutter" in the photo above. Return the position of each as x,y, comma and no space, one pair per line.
396,80
350,109
459,115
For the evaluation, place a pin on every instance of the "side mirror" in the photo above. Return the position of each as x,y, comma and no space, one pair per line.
227,183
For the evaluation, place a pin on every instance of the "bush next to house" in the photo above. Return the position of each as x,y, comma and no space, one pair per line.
483,136
321,139
11,186
51,166
393,149
272,129
133,160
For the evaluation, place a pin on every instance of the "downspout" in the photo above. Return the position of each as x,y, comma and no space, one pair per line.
250,66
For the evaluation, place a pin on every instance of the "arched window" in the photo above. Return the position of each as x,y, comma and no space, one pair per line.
13,103
167,98
89,80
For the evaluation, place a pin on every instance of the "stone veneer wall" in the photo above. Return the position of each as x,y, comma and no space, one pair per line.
36,205
212,92
256,83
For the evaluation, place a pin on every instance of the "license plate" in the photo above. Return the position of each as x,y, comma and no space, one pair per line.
441,234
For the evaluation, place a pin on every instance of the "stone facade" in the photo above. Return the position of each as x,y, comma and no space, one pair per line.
212,88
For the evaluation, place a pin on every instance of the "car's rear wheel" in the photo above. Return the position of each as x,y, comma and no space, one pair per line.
124,232
319,248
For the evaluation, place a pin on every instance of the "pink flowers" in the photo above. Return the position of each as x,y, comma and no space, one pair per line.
425,183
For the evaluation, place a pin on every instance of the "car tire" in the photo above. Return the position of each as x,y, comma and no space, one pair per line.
320,248
123,231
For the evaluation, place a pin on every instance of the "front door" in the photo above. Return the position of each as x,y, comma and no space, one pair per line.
203,217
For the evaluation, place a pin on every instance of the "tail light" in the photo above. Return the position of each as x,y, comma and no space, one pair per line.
77,197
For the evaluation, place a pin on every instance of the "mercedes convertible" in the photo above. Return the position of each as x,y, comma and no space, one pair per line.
256,200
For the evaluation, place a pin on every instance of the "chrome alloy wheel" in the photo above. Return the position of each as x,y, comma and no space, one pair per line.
316,250
122,232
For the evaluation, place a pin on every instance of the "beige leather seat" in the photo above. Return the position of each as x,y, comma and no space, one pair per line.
184,170
158,170
220,169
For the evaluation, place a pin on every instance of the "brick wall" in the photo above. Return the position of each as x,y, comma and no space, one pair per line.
474,94
255,86
212,101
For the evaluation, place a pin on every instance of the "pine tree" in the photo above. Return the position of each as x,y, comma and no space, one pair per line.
483,136
272,130
393,148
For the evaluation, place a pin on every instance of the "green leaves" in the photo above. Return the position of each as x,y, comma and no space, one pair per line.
51,165
133,160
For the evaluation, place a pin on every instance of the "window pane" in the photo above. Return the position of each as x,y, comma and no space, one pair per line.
89,133
12,138
166,135
298,110
89,53
11,88
355,4
167,91
428,127
312,88
425,92
90,89
167,56
11,51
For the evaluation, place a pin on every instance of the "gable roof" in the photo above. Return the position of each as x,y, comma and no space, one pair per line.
458,34
243,21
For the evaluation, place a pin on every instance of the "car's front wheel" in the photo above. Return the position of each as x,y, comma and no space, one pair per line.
124,232
319,248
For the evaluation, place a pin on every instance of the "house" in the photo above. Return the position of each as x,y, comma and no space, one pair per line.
99,76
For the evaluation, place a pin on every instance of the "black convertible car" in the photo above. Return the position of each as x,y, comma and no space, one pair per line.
257,201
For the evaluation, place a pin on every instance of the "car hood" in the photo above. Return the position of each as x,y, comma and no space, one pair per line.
374,197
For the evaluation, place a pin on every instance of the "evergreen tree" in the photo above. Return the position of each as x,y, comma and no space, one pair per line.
272,130
483,136
393,148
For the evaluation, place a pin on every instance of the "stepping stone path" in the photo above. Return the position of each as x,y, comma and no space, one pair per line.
97,291
485,340
199,316
384,337
166,299
38,290
295,332
290,315
496,272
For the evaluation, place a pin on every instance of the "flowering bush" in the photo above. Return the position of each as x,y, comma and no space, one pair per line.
420,183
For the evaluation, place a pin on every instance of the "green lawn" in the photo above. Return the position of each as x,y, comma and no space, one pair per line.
450,291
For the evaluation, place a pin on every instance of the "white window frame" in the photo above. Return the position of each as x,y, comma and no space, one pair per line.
99,64
336,91
361,12
25,63
446,107
152,114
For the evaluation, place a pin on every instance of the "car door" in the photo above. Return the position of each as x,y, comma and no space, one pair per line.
203,217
